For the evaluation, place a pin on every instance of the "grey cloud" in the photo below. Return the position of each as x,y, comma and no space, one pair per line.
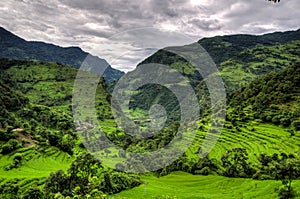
206,24
88,23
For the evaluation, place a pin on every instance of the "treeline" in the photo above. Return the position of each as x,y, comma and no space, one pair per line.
85,178
235,163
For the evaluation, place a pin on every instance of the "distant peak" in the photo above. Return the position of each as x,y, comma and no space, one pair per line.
4,30
7,34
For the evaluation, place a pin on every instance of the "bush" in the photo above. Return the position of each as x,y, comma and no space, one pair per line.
296,125
18,157
205,171
16,162
33,193
276,119
10,146
6,136
9,190
285,122
285,193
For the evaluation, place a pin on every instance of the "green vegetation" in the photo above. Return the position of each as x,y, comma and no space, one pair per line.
257,155
184,185
240,59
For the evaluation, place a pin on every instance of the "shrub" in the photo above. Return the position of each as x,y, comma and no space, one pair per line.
204,171
296,125
285,193
33,193
285,122
276,119
10,146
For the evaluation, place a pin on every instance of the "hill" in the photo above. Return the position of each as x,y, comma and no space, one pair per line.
14,47
222,48
240,69
273,98
261,132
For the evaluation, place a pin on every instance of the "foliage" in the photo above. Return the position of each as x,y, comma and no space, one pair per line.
33,193
235,163
10,146
9,190
85,176
286,170
272,98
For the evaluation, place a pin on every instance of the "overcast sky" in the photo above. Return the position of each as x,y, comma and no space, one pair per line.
114,29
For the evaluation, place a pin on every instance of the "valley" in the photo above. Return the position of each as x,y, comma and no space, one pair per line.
256,156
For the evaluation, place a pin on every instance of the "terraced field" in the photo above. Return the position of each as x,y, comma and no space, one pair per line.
184,185
36,165
256,137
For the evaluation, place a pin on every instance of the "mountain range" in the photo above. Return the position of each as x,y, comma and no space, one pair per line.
42,152
240,59
14,47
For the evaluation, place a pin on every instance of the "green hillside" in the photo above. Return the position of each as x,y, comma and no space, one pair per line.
38,137
256,156
255,62
239,70
222,48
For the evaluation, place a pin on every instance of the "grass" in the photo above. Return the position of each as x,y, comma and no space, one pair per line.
37,164
184,185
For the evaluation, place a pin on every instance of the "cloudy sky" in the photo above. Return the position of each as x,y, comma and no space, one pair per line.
124,32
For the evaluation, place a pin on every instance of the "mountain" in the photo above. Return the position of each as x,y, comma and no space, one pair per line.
47,84
239,58
37,134
222,48
14,47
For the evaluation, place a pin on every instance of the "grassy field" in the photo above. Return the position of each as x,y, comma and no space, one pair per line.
184,185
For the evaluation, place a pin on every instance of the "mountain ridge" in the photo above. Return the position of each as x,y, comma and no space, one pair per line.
15,47
231,45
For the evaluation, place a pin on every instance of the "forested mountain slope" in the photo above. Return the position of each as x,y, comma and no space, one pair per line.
14,47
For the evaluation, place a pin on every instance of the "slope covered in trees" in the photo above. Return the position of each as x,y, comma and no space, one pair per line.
273,98
251,61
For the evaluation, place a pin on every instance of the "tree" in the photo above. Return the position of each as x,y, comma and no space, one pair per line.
287,170
235,163
33,193
9,190
56,183
205,166
107,185
82,170
10,146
